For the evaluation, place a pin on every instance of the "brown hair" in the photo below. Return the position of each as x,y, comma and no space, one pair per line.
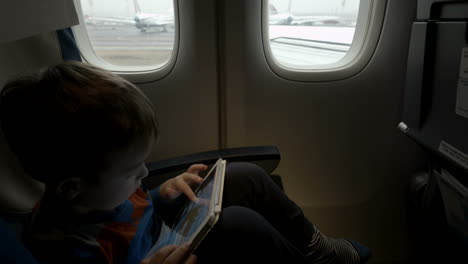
68,119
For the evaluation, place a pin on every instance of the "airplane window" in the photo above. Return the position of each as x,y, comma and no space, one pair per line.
305,34
128,32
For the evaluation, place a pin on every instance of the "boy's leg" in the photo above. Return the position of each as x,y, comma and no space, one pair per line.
248,185
242,235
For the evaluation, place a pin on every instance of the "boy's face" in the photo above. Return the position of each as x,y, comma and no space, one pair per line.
122,178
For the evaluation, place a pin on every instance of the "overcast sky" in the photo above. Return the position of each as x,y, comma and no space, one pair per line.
298,7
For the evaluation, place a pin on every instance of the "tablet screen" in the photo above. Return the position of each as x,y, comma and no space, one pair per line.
194,215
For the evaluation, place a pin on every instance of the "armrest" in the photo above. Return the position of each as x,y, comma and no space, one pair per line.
267,157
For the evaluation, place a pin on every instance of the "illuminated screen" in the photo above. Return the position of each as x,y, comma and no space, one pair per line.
193,214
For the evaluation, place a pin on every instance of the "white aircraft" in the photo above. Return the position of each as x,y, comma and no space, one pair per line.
289,18
278,18
163,21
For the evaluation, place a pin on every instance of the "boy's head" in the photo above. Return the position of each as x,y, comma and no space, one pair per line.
73,123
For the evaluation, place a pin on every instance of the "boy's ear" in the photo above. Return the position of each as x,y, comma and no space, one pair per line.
69,188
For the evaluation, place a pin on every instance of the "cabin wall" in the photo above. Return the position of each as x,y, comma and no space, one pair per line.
186,100
343,159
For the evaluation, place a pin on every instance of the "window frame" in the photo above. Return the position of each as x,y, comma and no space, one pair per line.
135,74
366,38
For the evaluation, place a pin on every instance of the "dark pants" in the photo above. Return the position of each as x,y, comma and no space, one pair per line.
258,224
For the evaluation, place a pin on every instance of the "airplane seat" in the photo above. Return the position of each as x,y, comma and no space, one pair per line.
26,48
19,194
435,115
19,191
21,54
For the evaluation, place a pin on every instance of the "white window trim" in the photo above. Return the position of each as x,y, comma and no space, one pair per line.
366,37
135,74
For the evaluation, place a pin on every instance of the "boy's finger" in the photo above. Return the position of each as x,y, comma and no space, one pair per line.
185,188
162,254
191,260
189,178
196,168
178,255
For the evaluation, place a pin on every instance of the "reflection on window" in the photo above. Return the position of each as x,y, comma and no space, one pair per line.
306,33
130,32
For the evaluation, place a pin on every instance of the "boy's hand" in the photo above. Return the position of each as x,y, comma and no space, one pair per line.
172,188
171,255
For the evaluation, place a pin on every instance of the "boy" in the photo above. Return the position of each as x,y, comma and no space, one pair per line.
86,134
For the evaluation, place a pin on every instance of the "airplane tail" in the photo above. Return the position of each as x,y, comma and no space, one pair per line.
136,6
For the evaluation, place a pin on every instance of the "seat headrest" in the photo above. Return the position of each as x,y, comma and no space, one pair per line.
19,192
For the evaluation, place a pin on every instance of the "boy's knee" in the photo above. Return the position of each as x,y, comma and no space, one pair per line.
242,235
241,167
238,219
239,172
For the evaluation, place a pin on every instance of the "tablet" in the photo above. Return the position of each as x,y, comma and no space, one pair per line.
197,218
